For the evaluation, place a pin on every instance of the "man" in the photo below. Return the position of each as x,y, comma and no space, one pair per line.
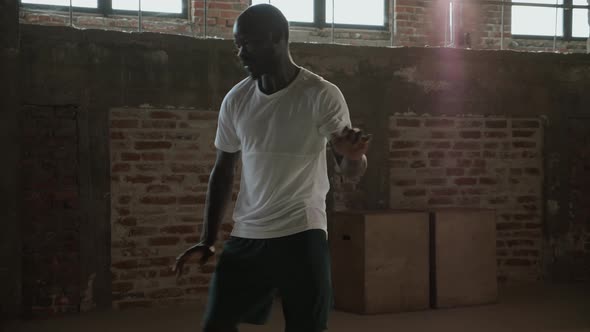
280,119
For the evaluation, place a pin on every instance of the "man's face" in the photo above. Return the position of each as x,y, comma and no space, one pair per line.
255,50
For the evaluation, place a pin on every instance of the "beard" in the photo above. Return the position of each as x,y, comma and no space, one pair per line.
254,74
265,65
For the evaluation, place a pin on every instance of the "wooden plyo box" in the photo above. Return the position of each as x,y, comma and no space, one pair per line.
380,261
465,265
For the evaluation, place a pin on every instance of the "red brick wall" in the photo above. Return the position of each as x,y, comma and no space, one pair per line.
117,23
417,23
420,23
220,19
51,210
484,25
345,193
161,160
475,162
576,242
221,15
160,165
424,22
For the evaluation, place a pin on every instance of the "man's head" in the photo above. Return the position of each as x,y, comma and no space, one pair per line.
261,34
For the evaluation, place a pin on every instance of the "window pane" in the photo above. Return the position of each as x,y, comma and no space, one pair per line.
580,23
580,3
159,6
294,11
369,12
75,3
536,21
546,2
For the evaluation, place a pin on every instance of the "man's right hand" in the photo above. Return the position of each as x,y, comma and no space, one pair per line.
206,251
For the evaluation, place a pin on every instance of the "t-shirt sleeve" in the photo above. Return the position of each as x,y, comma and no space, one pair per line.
333,115
227,139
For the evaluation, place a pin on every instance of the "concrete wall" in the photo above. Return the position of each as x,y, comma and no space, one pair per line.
10,175
100,72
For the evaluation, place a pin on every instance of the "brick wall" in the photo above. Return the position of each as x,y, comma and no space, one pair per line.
476,25
417,23
345,193
221,15
475,162
160,165
483,24
51,213
576,242
161,160
117,22
426,22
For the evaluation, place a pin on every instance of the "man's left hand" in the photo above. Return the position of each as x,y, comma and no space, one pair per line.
352,144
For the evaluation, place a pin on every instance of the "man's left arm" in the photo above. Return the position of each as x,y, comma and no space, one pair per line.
348,144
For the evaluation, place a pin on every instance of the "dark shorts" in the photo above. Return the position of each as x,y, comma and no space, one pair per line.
250,272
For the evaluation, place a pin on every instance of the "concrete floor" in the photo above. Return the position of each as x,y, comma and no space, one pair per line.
535,308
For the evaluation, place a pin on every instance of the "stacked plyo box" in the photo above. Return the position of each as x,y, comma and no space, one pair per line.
463,267
401,260
380,261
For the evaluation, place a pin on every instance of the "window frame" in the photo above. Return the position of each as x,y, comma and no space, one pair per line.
105,8
319,19
567,21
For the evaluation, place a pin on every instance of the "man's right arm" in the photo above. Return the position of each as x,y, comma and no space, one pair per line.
219,195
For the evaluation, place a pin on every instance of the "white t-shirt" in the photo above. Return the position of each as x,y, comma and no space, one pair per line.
282,138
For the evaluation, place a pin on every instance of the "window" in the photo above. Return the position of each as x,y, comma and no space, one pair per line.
175,8
369,12
580,20
537,21
63,3
548,18
301,11
347,13
155,6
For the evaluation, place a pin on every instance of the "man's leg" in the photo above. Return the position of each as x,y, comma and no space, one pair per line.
214,329
305,281
240,290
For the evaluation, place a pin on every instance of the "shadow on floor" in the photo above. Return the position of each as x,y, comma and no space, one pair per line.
530,307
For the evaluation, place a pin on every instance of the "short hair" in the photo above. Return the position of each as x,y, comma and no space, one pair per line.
268,17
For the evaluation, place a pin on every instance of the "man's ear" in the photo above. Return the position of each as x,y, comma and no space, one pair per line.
275,37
